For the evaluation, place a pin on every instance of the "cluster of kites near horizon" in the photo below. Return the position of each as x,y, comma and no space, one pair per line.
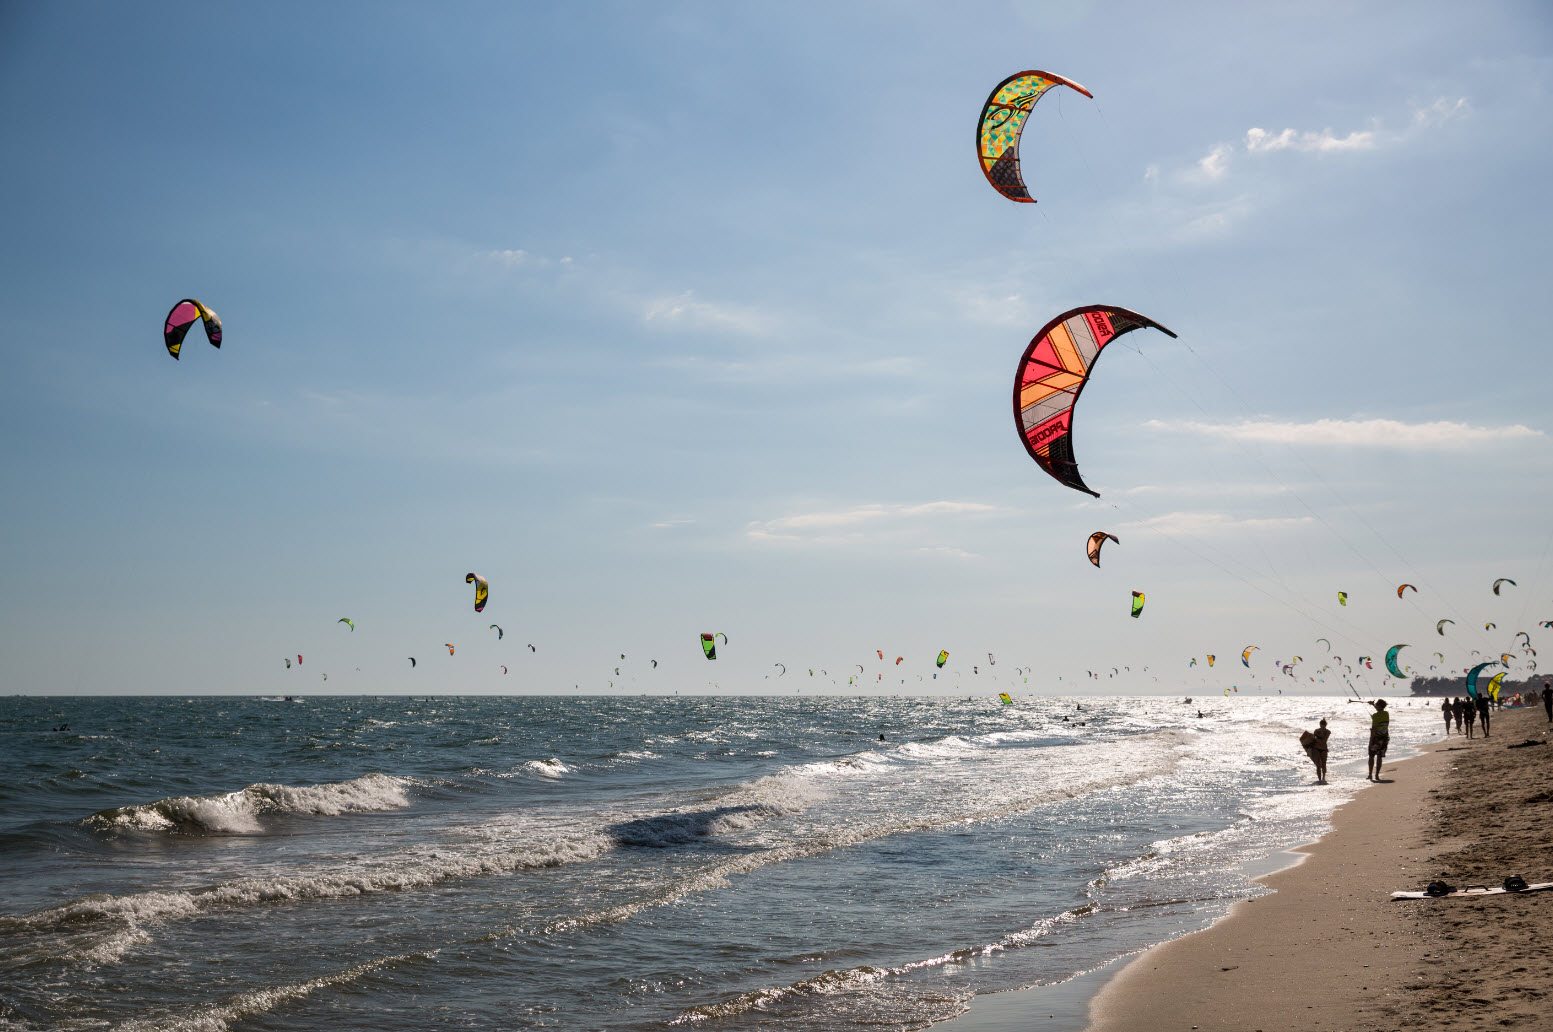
1050,376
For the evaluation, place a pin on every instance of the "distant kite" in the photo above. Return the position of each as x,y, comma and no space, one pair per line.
185,314
1342,598
482,590
709,645
1137,603
449,646
1245,656
1097,539
1503,580
943,657
498,630
1401,587
1439,627
412,661
1002,123
1211,658
347,620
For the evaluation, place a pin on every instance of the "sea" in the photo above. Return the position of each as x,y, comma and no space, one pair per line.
618,863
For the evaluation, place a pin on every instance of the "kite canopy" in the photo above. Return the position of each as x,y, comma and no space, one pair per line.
1052,373
1245,656
1472,678
1439,627
943,657
1342,598
1004,698
347,620
1097,539
499,632
1402,587
1137,603
1211,658
185,314
709,645
1002,123
482,590
1503,580
1391,660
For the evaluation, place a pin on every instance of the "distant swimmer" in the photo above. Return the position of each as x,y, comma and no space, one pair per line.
881,736
1199,714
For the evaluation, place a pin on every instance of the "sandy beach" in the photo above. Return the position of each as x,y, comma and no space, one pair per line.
1329,949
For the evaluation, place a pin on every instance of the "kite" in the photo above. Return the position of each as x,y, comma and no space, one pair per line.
1052,373
412,661
1503,580
1472,678
449,647
183,315
709,645
1391,660
655,666
723,636
500,634
1004,698
1439,627
991,661
1211,658
1245,656
1545,623
881,653
1366,661
1493,685
1439,655
898,660
299,659
1002,123
1192,663
1523,634
482,590
1137,603
504,670
1329,644
784,669
288,662
1401,586
347,620
1490,626
1505,658
532,649
1342,598
1097,539
943,657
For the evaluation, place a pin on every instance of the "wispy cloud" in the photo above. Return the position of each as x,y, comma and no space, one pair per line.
515,258
1357,433
839,526
670,524
1205,523
1260,140
686,310
1215,163
1441,111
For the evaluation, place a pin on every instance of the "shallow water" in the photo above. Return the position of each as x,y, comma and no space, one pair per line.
615,863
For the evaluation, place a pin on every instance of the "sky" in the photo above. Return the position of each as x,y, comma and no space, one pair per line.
684,317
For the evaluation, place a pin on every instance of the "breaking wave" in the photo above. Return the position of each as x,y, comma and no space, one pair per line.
239,812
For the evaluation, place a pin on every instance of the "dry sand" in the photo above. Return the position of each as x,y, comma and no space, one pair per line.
1329,949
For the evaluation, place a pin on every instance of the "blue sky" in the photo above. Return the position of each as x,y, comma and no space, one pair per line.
683,317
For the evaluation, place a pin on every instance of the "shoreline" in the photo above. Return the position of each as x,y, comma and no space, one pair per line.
1329,949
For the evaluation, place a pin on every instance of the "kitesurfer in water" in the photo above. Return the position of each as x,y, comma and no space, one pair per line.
1380,737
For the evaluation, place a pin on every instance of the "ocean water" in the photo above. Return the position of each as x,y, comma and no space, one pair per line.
623,863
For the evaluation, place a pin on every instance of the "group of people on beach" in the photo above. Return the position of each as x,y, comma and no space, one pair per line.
1315,743
1468,711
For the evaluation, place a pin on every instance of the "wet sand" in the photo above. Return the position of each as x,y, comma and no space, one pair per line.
1329,949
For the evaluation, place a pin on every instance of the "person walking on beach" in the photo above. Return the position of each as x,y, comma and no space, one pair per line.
1380,737
1445,711
1315,743
1456,708
1483,708
1470,712
1547,699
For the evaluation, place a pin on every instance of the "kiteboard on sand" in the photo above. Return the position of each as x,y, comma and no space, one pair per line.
1473,890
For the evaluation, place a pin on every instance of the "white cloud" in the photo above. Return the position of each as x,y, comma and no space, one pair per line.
1441,111
686,310
1214,164
1357,433
841,525
670,524
516,258
1260,140
1206,523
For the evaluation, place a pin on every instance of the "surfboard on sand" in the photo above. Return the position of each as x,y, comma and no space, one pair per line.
1475,890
